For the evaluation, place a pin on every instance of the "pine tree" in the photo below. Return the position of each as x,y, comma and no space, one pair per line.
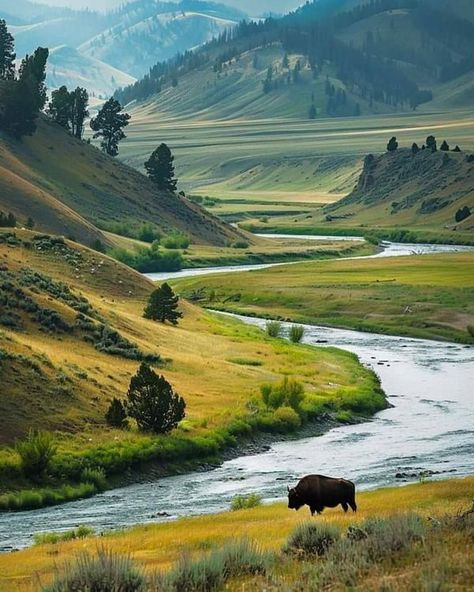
456,149
414,148
7,53
392,144
116,415
79,103
444,146
162,305
312,112
24,98
152,402
431,143
60,107
109,125
160,169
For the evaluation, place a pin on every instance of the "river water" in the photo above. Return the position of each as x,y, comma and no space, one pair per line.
429,428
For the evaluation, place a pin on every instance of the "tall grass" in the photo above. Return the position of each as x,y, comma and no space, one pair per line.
36,453
296,333
244,502
273,328
52,538
104,572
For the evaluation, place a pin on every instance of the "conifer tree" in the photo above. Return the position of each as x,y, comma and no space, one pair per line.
415,148
160,169
60,108
116,415
152,402
444,146
109,124
312,111
79,112
162,305
431,143
392,144
7,53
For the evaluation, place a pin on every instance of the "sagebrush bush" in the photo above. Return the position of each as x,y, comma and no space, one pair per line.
273,328
244,502
311,538
296,333
36,453
104,572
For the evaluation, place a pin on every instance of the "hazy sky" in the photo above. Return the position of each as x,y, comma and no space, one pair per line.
252,7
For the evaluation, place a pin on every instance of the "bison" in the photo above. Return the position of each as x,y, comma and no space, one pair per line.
319,492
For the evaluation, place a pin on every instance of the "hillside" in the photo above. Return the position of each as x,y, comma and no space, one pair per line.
70,188
105,51
72,334
424,190
344,58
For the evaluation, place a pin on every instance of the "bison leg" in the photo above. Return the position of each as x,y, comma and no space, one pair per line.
353,505
345,507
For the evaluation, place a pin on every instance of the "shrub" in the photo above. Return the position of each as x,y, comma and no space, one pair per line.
163,305
104,572
116,415
36,453
312,538
288,419
288,393
240,244
244,502
96,477
296,333
52,538
462,214
384,536
176,241
273,328
148,233
210,572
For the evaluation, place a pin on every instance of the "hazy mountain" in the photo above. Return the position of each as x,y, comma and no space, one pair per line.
115,47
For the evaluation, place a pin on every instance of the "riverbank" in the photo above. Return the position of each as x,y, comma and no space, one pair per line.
426,296
59,381
398,235
158,546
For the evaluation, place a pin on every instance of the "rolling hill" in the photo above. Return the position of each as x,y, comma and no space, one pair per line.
105,51
423,190
70,188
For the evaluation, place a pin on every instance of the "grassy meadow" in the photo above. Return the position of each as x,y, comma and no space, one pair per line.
58,381
440,555
427,296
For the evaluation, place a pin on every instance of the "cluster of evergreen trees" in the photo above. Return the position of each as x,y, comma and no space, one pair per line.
311,31
22,93
69,109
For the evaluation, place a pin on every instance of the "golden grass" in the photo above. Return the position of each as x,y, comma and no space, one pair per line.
158,546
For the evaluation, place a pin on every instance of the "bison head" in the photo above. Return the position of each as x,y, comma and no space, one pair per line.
294,500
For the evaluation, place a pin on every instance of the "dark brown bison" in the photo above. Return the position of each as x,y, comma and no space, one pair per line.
319,492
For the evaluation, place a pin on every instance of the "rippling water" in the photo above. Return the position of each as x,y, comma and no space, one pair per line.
430,427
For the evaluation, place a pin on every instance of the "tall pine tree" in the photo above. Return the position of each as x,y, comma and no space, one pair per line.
152,402
60,108
109,125
7,53
79,112
160,169
162,306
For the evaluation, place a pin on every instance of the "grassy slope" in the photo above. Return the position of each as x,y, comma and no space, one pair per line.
71,188
427,296
61,383
158,546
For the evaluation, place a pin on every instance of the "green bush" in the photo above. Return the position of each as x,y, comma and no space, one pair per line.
296,333
244,502
211,571
176,240
52,538
29,499
289,393
240,244
288,419
104,572
36,453
311,538
96,477
273,328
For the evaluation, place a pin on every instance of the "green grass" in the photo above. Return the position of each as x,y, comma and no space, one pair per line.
419,535
426,296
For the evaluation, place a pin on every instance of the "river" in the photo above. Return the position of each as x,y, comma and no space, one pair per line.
429,428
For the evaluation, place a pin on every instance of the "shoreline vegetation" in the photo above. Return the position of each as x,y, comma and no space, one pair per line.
84,313
426,296
430,521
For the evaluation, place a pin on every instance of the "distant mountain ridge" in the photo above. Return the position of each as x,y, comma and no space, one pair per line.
130,39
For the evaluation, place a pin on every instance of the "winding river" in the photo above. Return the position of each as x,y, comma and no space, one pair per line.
429,429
